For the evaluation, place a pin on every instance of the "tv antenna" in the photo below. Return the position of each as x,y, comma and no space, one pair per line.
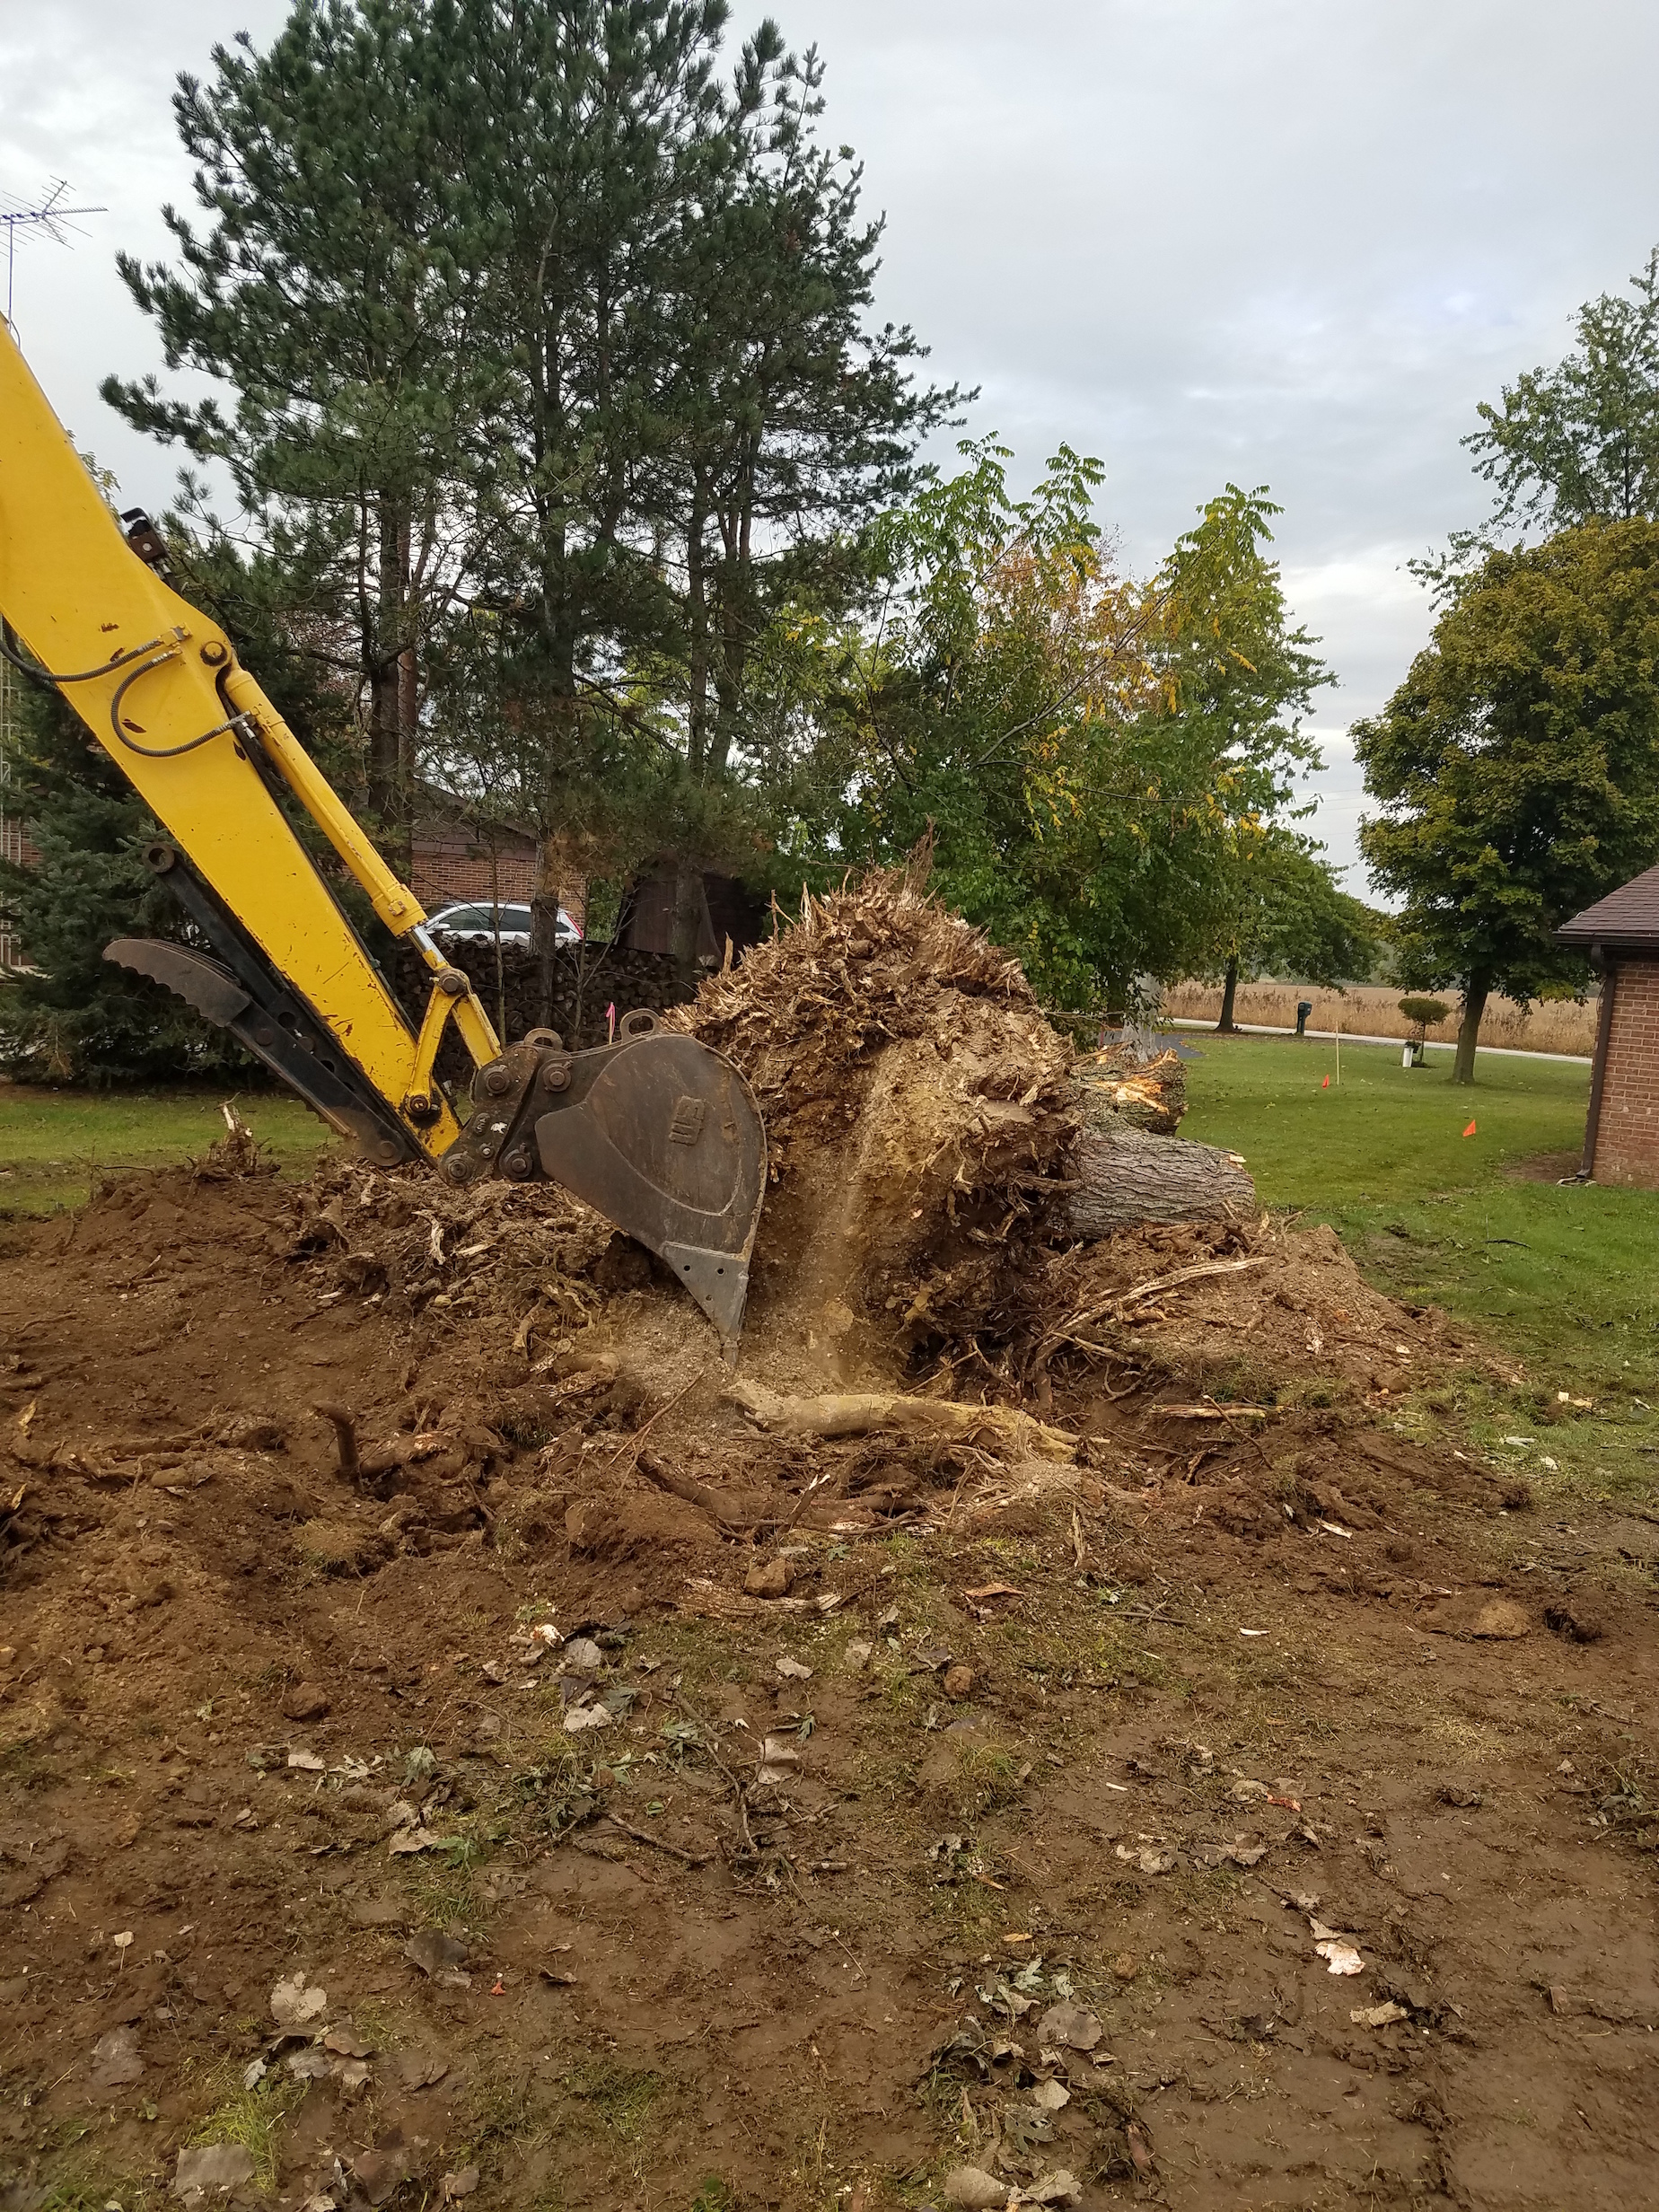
50,219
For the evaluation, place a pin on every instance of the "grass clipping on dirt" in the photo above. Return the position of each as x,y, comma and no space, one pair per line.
919,1114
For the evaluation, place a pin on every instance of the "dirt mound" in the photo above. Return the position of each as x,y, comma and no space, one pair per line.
1274,1309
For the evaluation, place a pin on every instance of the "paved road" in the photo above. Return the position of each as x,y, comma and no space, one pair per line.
1358,1037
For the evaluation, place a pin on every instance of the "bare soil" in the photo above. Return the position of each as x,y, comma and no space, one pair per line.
707,1897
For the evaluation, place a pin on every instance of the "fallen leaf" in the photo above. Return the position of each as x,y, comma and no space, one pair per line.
973,2186
380,2170
779,1762
792,1671
1050,2096
584,1716
1379,2015
1061,2188
1150,1858
295,2005
214,2168
457,2185
1068,2027
115,2061
435,1954
307,1762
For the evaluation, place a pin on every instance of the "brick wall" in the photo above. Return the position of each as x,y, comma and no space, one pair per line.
1627,1145
445,866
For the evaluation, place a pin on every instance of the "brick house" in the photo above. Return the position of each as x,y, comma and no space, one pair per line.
451,858
1620,934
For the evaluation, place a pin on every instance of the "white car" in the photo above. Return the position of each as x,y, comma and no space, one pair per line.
476,924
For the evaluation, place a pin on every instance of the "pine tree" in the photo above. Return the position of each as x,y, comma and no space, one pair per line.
70,1015
795,424
327,292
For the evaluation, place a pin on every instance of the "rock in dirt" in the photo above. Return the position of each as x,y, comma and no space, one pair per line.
768,1578
212,2170
959,1681
1462,1794
1500,1621
973,2186
295,2006
456,2186
1066,2026
306,1701
115,2061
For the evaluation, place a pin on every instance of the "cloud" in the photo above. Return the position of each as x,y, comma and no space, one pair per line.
1265,240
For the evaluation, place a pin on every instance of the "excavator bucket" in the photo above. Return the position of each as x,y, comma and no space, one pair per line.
657,1132
665,1140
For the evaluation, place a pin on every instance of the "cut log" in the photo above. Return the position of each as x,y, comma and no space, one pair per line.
1126,1177
1150,1095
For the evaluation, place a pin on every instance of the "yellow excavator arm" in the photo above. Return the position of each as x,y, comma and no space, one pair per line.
655,1130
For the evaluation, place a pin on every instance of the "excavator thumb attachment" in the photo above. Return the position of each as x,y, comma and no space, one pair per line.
657,1132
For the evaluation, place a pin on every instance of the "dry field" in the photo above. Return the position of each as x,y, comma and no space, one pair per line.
1373,1010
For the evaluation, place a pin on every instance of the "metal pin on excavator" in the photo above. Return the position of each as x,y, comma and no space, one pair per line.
655,1131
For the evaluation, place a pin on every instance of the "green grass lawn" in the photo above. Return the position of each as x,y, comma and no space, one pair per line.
1565,1278
54,1143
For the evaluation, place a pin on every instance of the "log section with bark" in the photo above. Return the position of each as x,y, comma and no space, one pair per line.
1125,1176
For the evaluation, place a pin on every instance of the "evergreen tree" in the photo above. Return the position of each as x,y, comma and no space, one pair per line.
796,424
71,1015
332,293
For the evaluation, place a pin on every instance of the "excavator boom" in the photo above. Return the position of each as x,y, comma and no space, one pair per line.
657,1132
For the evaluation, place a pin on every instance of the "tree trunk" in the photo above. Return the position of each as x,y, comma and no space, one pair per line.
544,927
391,685
687,922
1469,1028
1128,1176
1229,992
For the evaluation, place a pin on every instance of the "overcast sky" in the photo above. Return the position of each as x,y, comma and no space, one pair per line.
1281,241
